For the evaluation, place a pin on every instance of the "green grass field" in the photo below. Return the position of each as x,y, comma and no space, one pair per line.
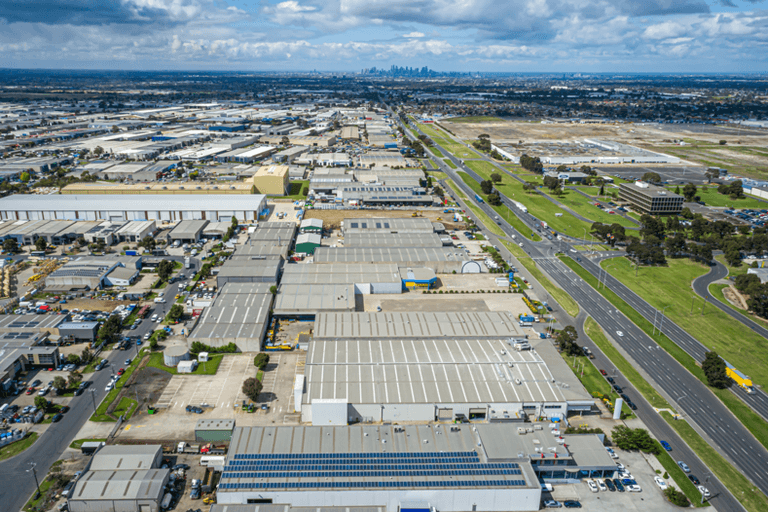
680,478
444,140
475,119
297,188
748,495
209,368
126,407
670,287
581,205
502,210
594,382
436,151
450,164
101,411
714,198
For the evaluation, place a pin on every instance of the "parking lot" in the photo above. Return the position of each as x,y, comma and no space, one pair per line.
650,498
220,396
672,174
284,208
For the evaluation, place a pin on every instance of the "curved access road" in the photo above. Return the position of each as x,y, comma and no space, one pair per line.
701,287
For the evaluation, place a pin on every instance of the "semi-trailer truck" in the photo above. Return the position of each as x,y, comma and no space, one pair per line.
479,199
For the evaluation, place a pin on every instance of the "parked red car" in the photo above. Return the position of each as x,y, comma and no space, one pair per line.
30,391
603,372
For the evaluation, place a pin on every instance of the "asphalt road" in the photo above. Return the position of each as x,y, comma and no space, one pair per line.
690,396
18,484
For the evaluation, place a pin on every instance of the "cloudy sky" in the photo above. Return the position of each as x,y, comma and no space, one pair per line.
348,35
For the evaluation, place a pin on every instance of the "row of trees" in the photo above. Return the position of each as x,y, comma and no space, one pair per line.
757,293
531,164
252,386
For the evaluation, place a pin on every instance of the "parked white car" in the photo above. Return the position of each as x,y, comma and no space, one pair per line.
660,482
592,485
110,386
704,491
601,485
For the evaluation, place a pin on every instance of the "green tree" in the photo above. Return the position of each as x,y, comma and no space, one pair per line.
98,151
494,199
689,192
273,289
148,243
74,379
652,177
234,222
634,439
25,177
86,356
486,186
41,244
711,174
115,129
176,312
59,383
165,269
676,497
496,177
714,368
41,403
110,330
566,340
251,388
10,245
73,359
261,360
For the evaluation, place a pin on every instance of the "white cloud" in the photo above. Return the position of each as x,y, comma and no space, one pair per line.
414,35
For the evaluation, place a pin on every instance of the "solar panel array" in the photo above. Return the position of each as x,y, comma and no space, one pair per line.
404,469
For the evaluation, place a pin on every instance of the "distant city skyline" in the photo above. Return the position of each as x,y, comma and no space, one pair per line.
694,36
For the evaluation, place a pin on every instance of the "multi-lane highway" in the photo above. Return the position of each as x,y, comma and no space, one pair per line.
690,395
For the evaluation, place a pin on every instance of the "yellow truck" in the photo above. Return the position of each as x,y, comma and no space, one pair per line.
742,380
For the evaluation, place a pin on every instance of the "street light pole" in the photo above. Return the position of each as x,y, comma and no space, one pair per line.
655,312
93,399
34,472
661,320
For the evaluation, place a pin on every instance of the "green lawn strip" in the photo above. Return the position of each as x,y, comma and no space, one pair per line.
670,287
438,175
502,210
582,205
296,191
208,368
475,119
33,504
260,376
78,443
436,151
594,382
15,448
516,251
748,495
754,423
101,411
733,271
450,164
486,220
456,189
712,197
50,412
126,407
681,479
595,333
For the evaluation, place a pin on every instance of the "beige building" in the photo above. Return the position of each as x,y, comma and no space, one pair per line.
272,180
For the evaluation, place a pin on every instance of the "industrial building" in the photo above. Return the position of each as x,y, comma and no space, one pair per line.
94,273
387,225
442,260
374,195
26,343
311,226
254,250
650,199
418,278
434,366
274,231
387,465
272,180
79,332
238,315
394,240
214,431
366,278
302,300
117,207
188,231
306,243
242,270
124,478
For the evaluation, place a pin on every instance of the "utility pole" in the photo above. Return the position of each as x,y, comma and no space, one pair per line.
34,472
93,399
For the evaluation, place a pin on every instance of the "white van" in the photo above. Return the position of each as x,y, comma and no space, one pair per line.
154,318
3,408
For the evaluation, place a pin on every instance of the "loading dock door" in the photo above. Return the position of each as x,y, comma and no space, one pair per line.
445,414
477,414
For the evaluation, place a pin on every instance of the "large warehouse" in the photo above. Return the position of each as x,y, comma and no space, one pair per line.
367,279
239,315
393,240
307,300
442,260
372,367
124,478
118,207
388,225
440,467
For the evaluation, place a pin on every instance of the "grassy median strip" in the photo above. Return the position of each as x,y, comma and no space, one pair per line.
449,163
78,443
748,495
681,479
749,418
101,411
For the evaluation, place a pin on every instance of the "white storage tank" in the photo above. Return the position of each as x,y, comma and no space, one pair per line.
173,355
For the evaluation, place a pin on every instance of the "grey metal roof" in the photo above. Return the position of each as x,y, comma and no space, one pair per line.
284,234
240,311
262,249
261,507
340,273
419,274
388,254
313,223
388,225
215,424
241,267
416,325
121,202
126,457
78,325
188,229
313,298
389,240
121,485
36,322
439,371
308,238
